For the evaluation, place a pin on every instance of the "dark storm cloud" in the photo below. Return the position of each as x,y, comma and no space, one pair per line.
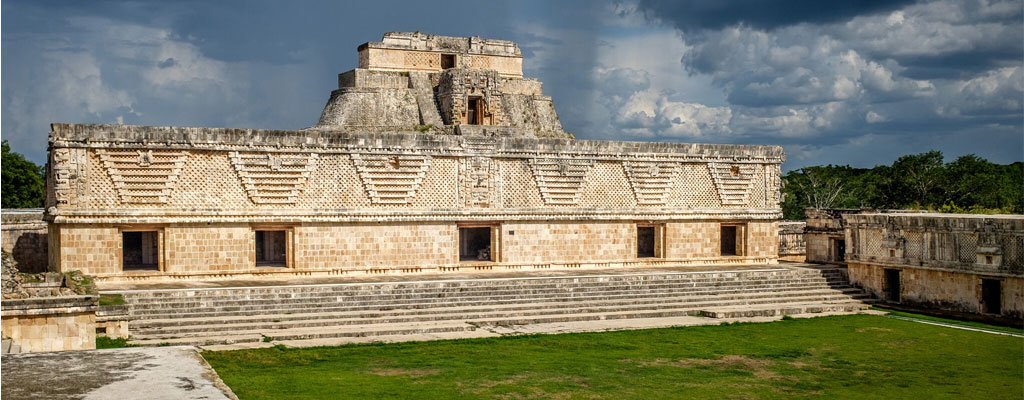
696,15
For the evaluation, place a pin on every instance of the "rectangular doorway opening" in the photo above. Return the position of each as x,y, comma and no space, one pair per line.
729,241
140,251
645,239
475,244
839,249
892,285
271,249
447,61
474,111
992,296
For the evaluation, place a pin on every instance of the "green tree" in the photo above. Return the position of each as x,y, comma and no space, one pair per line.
22,185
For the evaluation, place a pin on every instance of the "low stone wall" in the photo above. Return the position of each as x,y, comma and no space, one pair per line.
23,235
50,323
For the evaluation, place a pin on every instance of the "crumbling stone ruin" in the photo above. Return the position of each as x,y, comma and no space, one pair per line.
435,155
953,262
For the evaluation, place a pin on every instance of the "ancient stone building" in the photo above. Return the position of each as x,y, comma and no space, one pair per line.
964,263
434,155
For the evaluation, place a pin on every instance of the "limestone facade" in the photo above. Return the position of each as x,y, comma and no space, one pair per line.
365,191
963,263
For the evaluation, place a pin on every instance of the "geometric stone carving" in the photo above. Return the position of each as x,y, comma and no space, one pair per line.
65,168
273,178
143,176
733,182
772,186
560,180
480,182
650,180
391,179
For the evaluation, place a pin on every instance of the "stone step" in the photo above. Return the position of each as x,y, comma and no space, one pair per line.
186,330
420,309
488,283
284,297
389,329
773,310
299,292
218,310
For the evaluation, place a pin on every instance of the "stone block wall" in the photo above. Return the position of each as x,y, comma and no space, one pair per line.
23,235
50,323
941,259
539,243
375,246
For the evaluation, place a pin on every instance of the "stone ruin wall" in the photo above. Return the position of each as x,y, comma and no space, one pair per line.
394,200
23,235
942,258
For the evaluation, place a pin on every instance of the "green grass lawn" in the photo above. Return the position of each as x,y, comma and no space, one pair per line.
857,356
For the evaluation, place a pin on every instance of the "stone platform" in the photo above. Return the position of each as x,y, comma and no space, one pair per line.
390,310
131,373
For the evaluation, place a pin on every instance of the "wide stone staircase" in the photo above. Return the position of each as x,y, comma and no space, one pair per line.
274,313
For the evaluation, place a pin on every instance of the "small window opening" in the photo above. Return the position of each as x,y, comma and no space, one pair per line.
645,242
734,171
729,241
992,296
271,249
892,285
475,244
892,253
139,251
447,61
988,259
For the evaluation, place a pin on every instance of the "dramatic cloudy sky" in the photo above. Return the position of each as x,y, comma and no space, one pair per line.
847,82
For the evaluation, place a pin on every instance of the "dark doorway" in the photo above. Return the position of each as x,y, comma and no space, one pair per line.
475,244
992,296
139,251
840,248
892,285
645,242
271,249
729,241
474,111
447,61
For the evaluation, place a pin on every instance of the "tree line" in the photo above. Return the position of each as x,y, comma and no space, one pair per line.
969,184
920,181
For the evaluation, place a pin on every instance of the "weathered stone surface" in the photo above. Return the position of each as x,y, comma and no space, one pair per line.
23,233
940,260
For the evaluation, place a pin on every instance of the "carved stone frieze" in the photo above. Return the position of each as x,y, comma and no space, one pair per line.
143,176
733,182
391,179
480,183
560,179
650,180
273,178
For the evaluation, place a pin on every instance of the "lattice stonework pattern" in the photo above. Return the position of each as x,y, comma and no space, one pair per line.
650,180
733,181
422,59
772,185
560,180
143,176
391,179
271,178
480,181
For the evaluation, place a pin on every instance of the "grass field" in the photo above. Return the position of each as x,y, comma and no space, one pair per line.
857,356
